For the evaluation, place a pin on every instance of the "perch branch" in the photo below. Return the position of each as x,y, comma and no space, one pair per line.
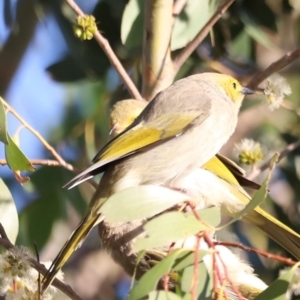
274,67
265,254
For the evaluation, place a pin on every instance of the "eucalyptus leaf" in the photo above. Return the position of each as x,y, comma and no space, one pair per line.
16,160
8,213
168,228
163,295
187,296
140,202
211,215
132,24
3,124
38,218
255,31
192,18
241,46
277,290
149,280
190,21
204,284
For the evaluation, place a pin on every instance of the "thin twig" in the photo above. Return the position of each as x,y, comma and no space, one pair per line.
191,46
196,271
265,254
290,148
226,275
64,288
52,163
44,162
59,160
39,276
166,276
215,265
274,67
36,133
104,44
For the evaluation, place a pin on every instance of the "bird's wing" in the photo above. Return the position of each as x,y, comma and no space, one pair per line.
238,172
231,164
218,167
140,136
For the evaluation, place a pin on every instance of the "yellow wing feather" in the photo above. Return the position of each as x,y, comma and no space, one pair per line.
137,137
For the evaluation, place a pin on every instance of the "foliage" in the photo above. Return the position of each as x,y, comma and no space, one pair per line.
245,40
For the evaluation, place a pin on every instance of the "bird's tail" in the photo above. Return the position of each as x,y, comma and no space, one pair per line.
70,246
280,233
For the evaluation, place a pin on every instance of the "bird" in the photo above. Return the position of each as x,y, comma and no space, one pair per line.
182,128
229,175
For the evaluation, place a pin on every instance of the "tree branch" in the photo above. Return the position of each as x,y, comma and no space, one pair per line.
284,61
191,46
158,71
64,288
61,161
43,162
104,44
282,259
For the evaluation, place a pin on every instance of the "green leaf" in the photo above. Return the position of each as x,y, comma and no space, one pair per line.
187,296
277,290
149,280
38,218
132,24
211,215
16,160
192,18
8,213
204,286
176,226
3,124
163,295
241,46
259,196
255,31
140,202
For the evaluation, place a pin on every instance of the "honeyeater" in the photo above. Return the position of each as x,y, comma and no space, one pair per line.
173,143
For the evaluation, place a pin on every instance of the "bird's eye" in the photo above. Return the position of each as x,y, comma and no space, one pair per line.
234,85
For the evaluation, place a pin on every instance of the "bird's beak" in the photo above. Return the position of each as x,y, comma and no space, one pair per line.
247,91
